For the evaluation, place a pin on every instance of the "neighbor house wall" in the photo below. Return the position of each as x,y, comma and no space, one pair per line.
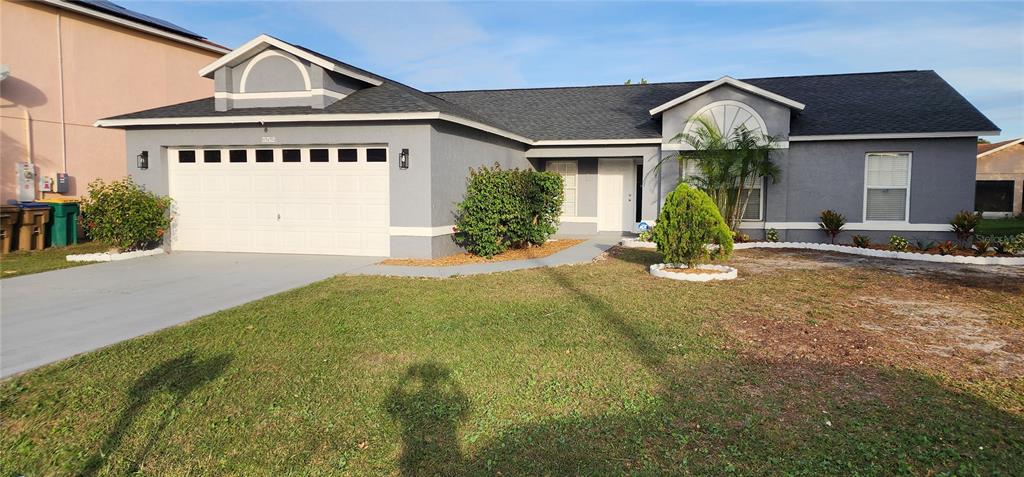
107,70
1005,165
409,190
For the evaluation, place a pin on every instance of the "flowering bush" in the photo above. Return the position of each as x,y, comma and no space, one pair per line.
772,235
123,215
898,244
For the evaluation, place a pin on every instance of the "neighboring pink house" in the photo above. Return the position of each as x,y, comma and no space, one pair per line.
1000,176
71,63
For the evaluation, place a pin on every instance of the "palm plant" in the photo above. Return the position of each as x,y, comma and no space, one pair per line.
727,164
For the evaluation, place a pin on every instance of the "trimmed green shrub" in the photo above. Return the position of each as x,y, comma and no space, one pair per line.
772,235
505,209
898,244
832,223
689,222
861,241
122,214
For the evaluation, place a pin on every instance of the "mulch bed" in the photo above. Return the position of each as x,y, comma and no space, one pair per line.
549,248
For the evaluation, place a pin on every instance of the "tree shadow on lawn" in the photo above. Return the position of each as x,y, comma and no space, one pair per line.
737,415
178,377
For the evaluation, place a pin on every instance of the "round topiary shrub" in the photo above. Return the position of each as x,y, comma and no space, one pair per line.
689,222
123,215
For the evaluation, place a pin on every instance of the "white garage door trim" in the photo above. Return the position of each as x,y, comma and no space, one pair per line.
331,206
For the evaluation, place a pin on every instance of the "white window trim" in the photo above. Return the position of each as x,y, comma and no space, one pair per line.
760,204
566,215
906,207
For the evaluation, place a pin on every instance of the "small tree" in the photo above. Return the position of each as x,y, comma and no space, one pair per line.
963,225
689,222
122,214
832,223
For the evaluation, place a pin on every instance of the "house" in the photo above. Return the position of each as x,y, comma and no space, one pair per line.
299,152
69,63
1000,178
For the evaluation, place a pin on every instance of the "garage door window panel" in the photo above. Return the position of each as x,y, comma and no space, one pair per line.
264,155
319,155
238,156
376,154
348,155
211,155
187,156
291,155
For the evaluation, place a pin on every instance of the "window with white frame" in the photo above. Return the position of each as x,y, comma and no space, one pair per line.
568,171
887,186
754,185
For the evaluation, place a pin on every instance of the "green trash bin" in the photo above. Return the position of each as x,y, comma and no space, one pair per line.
64,225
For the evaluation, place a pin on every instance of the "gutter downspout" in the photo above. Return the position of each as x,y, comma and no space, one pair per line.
60,79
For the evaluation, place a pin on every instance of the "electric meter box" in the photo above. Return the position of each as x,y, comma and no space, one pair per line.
63,183
26,180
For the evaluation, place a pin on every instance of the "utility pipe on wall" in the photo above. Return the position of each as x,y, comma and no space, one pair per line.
60,79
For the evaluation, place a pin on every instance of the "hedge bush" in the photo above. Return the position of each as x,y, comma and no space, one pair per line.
688,223
123,215
510,208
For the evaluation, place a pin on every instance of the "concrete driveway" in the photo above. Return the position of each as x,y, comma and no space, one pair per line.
50,316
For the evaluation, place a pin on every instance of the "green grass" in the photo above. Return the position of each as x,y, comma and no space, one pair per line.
592,370
34,261
1011,226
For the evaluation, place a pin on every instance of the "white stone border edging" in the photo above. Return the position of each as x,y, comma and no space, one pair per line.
867,252
724,272
113,257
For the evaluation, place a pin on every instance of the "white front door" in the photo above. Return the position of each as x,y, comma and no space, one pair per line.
615,194
287,199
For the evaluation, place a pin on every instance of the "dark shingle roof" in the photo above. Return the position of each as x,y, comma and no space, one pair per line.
861,103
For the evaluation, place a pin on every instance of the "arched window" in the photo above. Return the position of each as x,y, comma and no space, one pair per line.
729,115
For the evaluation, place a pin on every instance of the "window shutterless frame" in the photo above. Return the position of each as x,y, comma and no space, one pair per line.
906,207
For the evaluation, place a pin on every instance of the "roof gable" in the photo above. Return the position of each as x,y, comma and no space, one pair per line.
260,43
726,80
986,149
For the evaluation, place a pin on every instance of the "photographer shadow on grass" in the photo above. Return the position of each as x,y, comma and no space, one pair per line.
178,377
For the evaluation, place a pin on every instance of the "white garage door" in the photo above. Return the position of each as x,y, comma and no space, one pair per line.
309,199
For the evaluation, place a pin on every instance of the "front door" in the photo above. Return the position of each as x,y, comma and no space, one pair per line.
615,195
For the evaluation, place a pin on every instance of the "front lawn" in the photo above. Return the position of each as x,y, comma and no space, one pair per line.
1010,226
34,261
809,364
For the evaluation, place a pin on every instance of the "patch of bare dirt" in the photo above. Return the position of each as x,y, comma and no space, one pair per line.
760,261
920,333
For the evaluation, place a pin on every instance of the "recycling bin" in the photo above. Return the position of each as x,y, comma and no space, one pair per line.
63,229
8,218
33,218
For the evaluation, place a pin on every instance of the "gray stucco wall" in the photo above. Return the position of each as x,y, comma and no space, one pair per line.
830,175
776,116
454,150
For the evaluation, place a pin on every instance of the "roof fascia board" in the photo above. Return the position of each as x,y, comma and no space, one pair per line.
596,142
135,25
1000,148
298,118
261,42
726,80
855,137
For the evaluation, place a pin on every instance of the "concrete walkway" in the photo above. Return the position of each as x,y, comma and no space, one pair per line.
50,316
582,253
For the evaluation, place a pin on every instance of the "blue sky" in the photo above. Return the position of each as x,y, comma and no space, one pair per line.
977,46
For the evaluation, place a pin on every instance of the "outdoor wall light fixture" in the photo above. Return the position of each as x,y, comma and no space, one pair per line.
143,160
403,159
